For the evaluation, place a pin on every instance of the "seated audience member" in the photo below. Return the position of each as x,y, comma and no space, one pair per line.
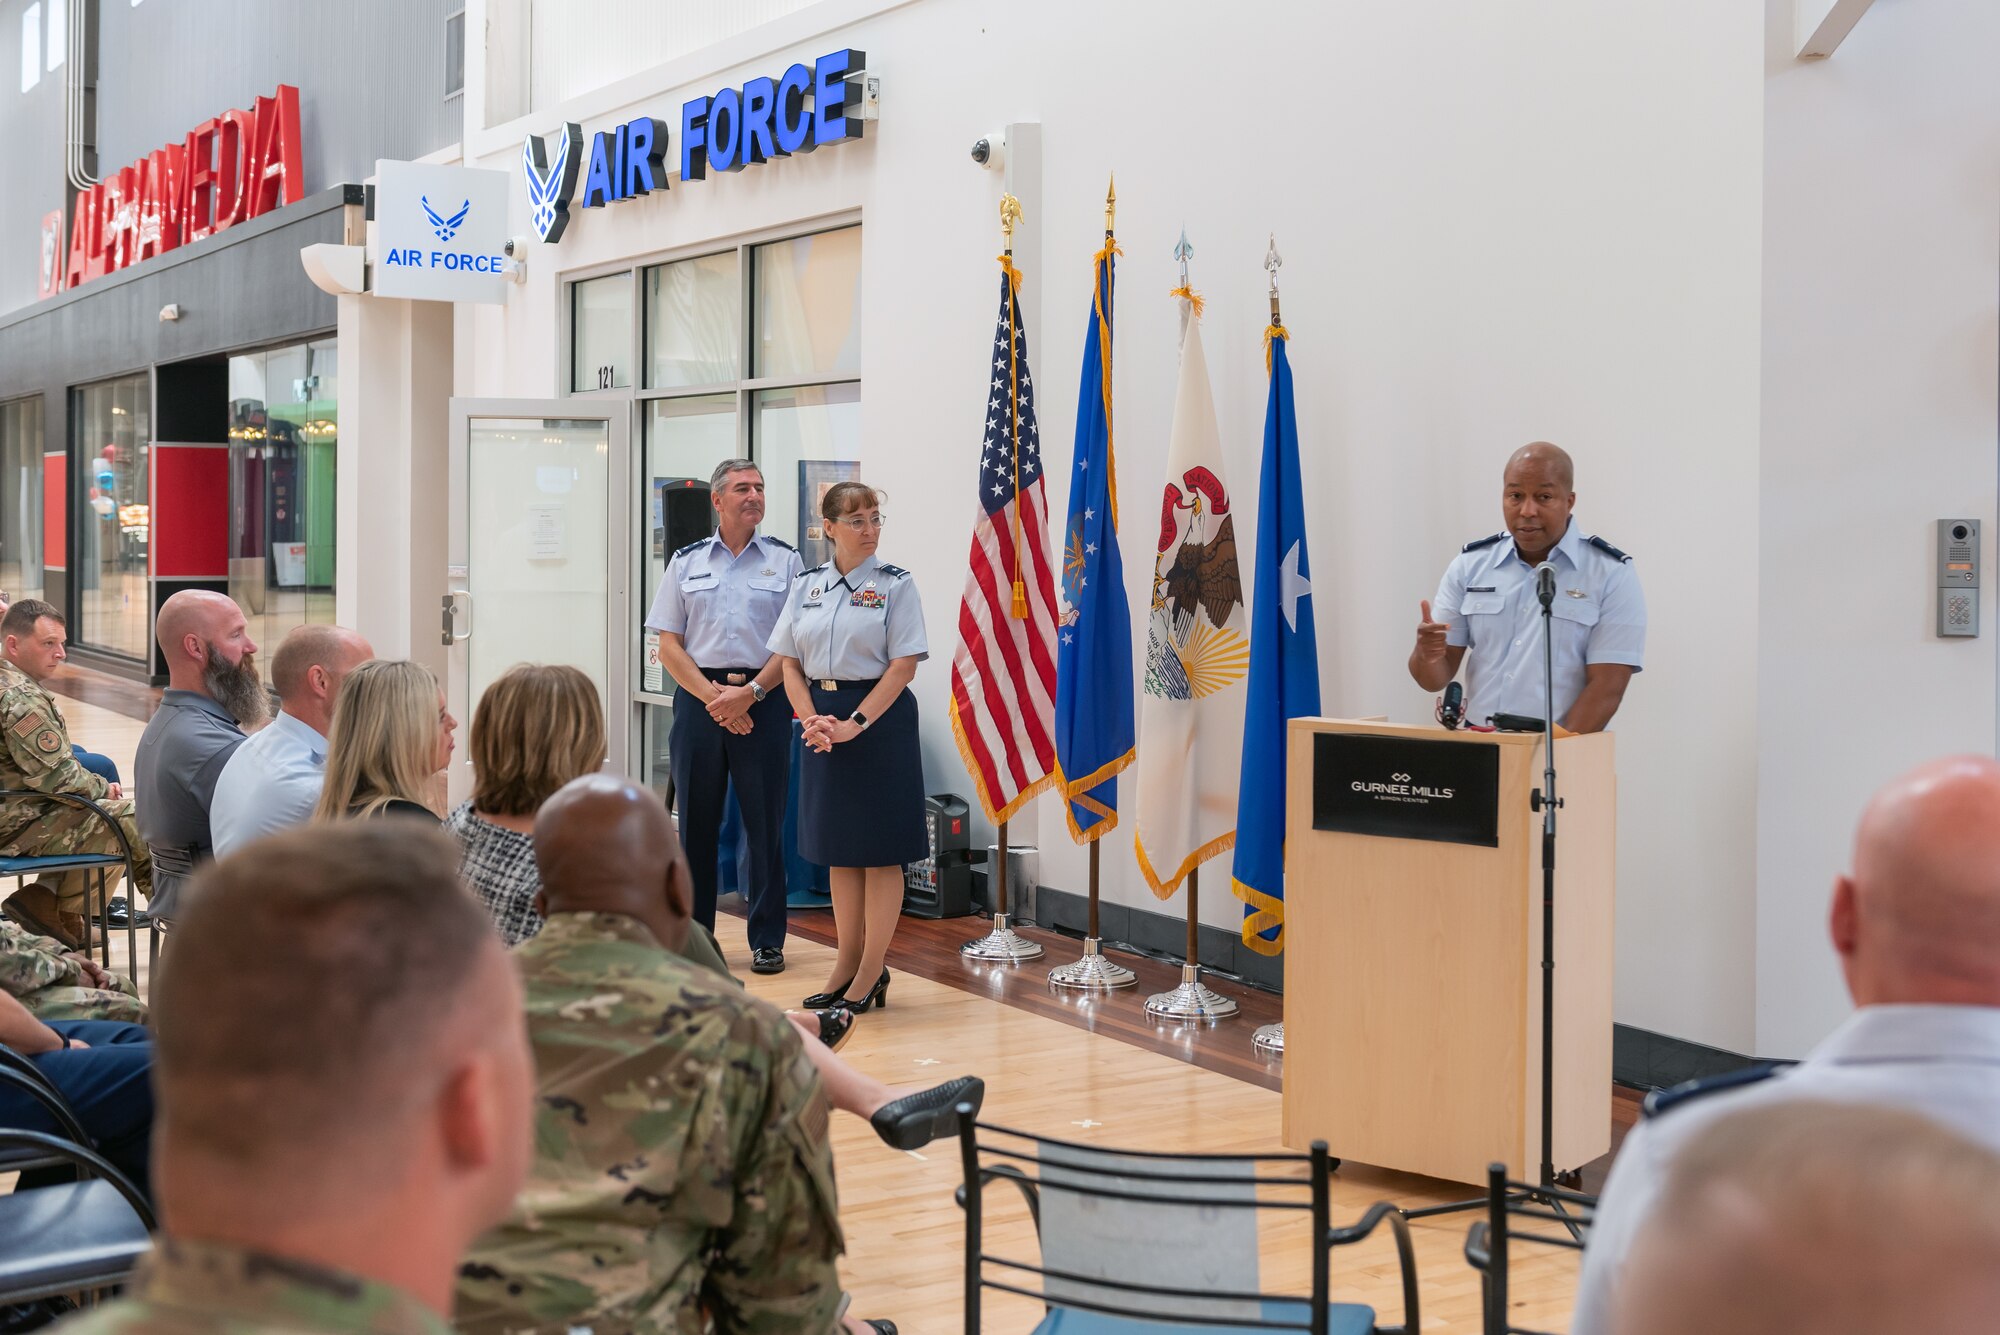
537,727
100,765
213,693
391,741
1916,924
1820,1218
272,782
57,983
36,756
710,1200
337,1120
101,1068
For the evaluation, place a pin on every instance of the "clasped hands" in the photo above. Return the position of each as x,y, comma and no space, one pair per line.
822,731
731,707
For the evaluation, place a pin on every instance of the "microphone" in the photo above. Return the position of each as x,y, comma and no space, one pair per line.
1545,584
1451,709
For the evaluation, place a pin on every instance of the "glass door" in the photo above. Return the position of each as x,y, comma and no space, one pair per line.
540,529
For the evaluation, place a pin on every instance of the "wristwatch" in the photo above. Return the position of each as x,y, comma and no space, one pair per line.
859,720
757,689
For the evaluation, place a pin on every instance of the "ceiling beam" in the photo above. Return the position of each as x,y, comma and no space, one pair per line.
1823,24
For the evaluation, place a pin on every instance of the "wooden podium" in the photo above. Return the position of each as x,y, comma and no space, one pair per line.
1413,947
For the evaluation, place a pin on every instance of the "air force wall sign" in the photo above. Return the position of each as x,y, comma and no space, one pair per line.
1406,788
825,102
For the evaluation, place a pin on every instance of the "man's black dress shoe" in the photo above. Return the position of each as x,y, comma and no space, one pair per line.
118,914
766,960
915,1120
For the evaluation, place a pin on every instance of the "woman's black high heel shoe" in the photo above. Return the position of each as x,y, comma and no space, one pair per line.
878,995
827,1000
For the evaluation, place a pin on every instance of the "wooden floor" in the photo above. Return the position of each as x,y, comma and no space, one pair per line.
1096,1072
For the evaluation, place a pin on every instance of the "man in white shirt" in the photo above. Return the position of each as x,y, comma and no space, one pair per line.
273,780
1917,927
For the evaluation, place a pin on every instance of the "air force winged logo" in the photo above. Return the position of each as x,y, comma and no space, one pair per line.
552,181
446,228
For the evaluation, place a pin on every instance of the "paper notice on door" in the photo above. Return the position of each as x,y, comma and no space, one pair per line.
548,535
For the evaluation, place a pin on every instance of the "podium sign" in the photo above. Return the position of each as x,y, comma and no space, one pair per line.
1404,788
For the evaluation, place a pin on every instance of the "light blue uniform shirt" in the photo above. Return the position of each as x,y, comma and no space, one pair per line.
723,607
272,783
1941,1062
1488,597
848,627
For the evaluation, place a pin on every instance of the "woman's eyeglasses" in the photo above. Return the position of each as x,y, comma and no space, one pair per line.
862,523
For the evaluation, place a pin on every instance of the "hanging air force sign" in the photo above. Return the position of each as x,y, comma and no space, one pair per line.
1406,788
440,233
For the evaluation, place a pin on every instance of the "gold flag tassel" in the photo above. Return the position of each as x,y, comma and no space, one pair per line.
1010,213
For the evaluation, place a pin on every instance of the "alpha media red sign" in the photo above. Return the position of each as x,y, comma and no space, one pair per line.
229,169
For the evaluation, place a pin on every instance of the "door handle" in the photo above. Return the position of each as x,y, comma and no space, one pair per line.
449,633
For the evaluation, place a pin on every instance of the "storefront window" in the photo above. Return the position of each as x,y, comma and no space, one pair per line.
283,438
110,446
21,498
601,333
808,438
809,306
685,440
694,322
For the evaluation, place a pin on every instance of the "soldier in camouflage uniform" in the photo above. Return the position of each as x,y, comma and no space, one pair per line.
56,983
385,1118
35,755
683,1180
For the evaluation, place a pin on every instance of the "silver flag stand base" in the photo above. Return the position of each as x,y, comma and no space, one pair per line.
1269,1040
1003,943
1191,1000
1092,973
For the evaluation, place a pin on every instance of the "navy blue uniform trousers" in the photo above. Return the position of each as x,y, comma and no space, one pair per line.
102,766
109,1087
706,758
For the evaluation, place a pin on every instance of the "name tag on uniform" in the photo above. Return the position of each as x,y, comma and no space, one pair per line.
812,598
866,596
696,583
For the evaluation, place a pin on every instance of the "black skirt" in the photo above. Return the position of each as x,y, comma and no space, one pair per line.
862,803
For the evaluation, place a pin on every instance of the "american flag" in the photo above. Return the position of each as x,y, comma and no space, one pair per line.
1003,677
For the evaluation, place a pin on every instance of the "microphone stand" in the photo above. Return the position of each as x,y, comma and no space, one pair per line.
1548,1191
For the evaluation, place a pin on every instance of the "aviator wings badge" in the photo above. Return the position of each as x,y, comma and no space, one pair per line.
552,180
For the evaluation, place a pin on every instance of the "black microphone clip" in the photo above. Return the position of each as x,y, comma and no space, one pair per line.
1451,709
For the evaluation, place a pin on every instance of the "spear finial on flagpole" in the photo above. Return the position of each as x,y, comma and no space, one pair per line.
1271,262
1111,204
1181,252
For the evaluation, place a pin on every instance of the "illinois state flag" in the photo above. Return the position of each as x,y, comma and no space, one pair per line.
1197,649
1094,725
1284,667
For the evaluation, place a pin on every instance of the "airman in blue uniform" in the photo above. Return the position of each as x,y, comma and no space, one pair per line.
715,610
1486,612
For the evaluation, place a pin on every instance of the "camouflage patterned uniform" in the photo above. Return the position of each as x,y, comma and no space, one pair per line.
35,754
682,1181
42,974
190,1288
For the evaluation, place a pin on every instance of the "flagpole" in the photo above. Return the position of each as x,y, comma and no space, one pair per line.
1003,944
1270,1038
1092,972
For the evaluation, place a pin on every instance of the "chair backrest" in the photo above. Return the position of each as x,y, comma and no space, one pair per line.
1487,1242
69,1236
1144,1236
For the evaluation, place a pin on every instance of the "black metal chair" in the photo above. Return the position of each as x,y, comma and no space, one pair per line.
68,1237
1487,1242
97,868
1131,1243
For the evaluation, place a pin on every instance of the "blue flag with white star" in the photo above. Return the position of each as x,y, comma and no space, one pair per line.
1284,667
1095,724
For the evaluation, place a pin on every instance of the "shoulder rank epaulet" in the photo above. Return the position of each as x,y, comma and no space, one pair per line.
1477,543
698,542
1666,1100
778,542
1606,548
814,571
893,572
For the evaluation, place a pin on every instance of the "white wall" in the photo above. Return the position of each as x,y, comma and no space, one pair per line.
1499,222
1881,265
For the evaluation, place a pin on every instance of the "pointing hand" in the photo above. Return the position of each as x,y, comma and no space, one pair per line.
1431,634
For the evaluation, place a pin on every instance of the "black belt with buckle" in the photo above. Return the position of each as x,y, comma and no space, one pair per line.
828,684
730,676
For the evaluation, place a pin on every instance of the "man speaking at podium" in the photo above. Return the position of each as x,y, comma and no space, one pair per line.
1486,611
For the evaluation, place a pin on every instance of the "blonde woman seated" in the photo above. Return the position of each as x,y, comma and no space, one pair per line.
537,727
391,741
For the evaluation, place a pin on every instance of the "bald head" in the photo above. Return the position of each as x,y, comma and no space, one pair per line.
1918,919
1830,1218
1539,460
193,614
606,845
308,668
